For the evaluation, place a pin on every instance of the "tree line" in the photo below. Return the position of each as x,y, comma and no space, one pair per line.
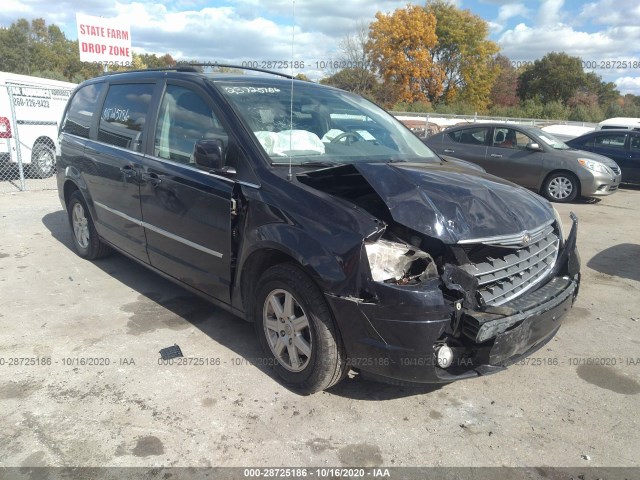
432,58
438,58
41,50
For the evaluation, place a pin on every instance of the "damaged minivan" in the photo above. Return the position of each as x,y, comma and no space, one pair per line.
318,216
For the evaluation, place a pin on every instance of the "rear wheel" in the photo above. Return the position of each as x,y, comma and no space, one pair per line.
297,330
561,187
85,238
43,161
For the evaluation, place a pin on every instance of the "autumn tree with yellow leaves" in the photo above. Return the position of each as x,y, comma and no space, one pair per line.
437,53
464,53
400,47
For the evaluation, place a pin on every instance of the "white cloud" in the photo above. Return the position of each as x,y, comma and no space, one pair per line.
614,44
550,12
16,6
505,13
531,43
611,12
628,85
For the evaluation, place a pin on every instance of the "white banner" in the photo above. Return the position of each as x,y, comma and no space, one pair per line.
103,40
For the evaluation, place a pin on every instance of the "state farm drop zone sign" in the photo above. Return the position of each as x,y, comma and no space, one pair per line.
103,40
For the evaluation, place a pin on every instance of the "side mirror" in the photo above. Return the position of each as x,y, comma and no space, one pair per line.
533,147
209,154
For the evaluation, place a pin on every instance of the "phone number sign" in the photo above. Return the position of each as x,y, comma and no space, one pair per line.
103,39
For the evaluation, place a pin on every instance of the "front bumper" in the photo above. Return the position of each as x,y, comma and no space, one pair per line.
599,184
395,339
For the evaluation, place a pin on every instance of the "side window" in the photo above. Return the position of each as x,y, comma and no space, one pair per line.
635,144
80,112
124,114
511,138
612,140
586,143
184,119
470,136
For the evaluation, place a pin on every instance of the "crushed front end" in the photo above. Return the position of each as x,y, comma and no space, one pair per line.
460,310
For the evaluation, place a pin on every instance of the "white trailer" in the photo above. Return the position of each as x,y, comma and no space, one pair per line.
30,113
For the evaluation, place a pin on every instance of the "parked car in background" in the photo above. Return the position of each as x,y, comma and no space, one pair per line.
319,217
619,123
622,146
530,157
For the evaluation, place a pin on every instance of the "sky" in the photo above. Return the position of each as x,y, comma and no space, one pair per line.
604,33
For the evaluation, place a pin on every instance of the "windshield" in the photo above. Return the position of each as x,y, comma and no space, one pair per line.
325,126
553,142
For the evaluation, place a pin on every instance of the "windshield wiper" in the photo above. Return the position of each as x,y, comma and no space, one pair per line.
397,160
311,163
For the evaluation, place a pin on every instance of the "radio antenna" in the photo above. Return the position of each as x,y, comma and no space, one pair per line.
293,42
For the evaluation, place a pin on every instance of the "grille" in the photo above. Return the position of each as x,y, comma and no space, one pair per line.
502,278
616,170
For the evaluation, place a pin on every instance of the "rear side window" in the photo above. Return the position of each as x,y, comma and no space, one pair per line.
470,136
124,114
611,141
80,112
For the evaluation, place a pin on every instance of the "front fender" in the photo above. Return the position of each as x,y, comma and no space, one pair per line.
334,265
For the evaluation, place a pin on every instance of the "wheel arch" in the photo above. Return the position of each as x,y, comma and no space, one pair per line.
322,266
68,189
43,139
560,170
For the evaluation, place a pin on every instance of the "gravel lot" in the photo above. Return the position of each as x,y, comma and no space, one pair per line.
576,403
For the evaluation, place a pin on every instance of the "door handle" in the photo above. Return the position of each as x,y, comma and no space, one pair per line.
448,150
128,171
152,178
495,155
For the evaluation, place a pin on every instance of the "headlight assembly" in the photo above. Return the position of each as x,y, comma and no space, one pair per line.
594,166
398,262
559,223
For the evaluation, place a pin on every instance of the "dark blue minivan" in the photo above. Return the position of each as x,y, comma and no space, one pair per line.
319,217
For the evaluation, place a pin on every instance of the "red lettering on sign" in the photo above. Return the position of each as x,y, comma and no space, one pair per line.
117,34
93,47
91,30
119,51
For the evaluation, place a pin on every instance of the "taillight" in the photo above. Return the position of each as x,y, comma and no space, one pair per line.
5,128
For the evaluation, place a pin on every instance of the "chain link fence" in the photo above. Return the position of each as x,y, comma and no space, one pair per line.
29,120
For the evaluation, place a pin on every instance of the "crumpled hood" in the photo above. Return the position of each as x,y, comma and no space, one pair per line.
454,204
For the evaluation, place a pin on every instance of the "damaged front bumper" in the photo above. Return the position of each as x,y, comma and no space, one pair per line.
396,338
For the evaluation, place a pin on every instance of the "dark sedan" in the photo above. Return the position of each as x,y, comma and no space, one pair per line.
622,146
530,157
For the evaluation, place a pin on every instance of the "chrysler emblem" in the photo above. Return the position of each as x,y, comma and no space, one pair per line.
526,238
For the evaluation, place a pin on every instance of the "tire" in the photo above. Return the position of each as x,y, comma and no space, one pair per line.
85,237
43,161
561,187
305,348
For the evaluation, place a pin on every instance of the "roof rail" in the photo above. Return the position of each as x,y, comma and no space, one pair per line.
191,67
239,67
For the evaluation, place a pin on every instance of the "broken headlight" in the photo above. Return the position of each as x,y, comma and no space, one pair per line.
399,263
559,223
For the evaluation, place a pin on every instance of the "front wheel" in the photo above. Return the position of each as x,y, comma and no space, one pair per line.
561,187
85,237
297,330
